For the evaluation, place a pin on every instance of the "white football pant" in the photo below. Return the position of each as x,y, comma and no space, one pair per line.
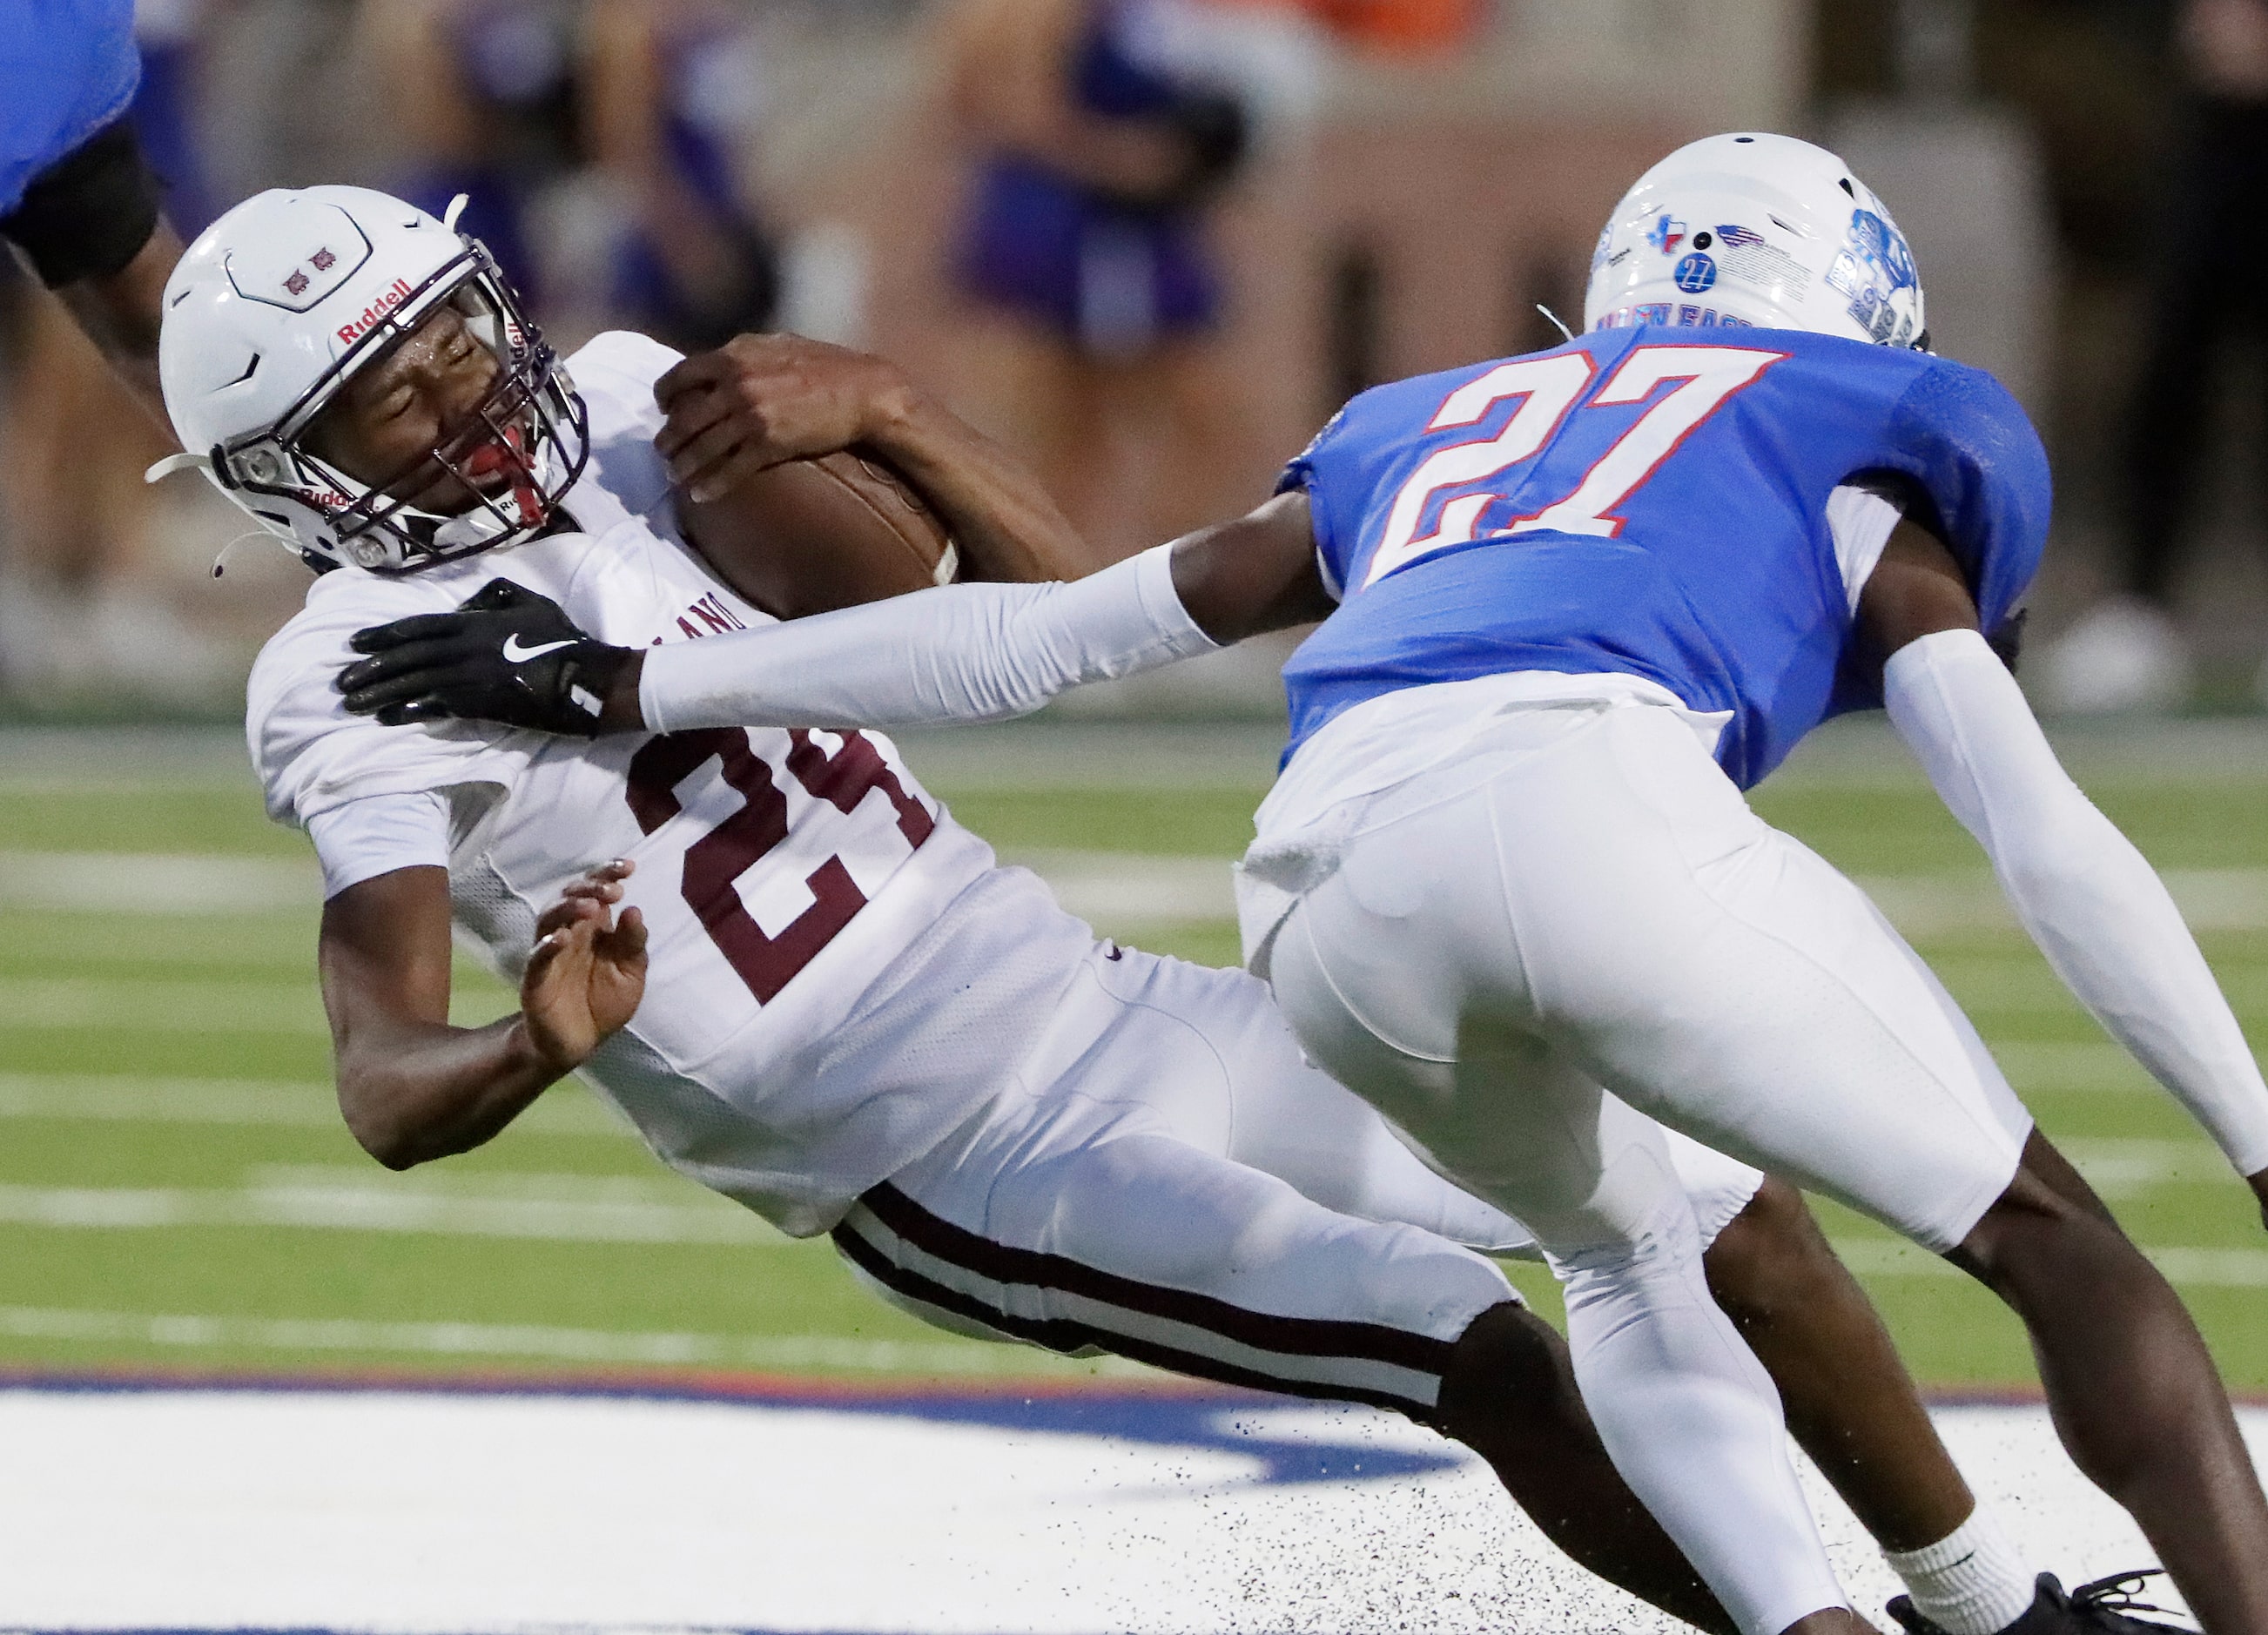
1166,1178
1583,903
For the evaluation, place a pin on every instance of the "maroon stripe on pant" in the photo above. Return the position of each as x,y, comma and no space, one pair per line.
1067,1335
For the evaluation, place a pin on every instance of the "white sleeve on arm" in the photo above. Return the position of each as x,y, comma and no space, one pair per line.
362,839
964,652
2091,901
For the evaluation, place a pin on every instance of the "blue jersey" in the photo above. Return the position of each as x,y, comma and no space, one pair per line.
1653,502
67,68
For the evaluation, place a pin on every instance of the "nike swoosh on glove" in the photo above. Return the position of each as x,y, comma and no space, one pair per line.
508,654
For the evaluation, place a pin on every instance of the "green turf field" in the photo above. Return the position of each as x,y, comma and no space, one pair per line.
175,1188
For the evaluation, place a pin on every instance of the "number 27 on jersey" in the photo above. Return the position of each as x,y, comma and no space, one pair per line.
1547,388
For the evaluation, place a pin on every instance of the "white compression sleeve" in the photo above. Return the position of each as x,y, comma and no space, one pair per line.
964,652
2091,901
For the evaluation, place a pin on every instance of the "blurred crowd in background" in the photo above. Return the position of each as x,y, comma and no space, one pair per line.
1152,244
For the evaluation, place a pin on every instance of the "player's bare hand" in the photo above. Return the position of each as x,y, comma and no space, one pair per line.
2259,1182
760,399
587,974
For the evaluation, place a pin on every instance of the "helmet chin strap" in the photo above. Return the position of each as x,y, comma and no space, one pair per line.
171,463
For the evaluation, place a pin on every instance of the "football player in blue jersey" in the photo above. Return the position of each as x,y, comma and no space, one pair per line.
1507,887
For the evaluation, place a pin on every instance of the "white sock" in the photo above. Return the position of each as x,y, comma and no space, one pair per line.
1973,1581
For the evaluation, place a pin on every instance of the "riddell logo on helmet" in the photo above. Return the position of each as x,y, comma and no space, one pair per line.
387,300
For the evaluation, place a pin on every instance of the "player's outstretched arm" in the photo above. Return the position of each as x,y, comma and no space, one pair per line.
2087,897
986,652
762,399
962,652
414,1088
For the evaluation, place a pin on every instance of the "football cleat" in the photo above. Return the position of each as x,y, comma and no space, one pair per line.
2104,1607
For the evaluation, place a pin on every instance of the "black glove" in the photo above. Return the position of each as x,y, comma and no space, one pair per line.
507,654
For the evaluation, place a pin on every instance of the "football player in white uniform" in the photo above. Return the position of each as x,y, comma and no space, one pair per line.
804,984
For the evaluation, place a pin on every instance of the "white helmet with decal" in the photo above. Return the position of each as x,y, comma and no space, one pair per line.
1754,229
292,292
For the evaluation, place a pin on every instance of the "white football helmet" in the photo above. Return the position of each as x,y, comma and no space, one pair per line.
290,293
1754,229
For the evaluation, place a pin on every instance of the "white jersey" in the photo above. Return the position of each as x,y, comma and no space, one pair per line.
808,902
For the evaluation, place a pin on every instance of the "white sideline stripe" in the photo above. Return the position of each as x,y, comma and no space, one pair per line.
649,1185
294,1010
2120,1166
596,1216
1927,905
491,1339
568,1111
2193,1268
1120,887
150,883
2082,1067
1114,887
111,1004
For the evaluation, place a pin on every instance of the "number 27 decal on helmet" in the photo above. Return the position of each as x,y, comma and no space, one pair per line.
1753,229
291,296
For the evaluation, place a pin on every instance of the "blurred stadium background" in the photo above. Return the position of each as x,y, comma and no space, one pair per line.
175,1190
1422,175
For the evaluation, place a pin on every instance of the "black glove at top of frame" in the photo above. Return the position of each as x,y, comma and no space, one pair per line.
507,654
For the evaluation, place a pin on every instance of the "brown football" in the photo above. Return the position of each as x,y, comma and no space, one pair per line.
807,536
